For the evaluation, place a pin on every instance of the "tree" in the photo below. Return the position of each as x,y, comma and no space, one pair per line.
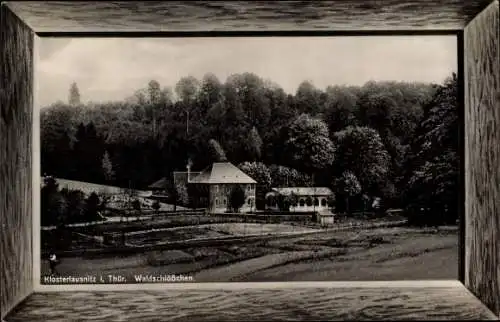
154,92
340,108
107,167
260,173
155,97
56,140
433,179
89,151
180,195
236,198
308,98
53,205
376,109
285,202
348,186
331,201
187,89
92,204
217,152
361,151
308,144
75,205
74,95
282,176
210,92
254,144
250,90
140,97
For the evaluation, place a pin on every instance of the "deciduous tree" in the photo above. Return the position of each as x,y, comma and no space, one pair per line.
308,144
237,198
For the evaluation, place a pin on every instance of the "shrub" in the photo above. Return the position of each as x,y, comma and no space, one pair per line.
237,198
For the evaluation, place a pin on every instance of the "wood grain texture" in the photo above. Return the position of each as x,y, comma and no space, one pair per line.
319,304
482,156
112,16
16,75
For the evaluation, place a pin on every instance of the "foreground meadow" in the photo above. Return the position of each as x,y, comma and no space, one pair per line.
358,254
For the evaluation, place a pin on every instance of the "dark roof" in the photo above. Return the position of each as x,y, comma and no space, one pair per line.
222,172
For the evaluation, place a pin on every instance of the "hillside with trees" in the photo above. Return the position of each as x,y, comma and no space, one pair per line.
396,141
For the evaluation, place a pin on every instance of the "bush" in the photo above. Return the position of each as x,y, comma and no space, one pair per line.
237,198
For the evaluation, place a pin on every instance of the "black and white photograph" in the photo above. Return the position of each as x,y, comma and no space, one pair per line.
248,159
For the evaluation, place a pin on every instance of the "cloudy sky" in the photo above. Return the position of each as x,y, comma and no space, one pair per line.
113,68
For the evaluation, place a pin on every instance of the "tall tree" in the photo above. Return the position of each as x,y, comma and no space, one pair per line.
210,92
308,144
107,167
251,92
254,144
56,136
308,98
433,178
348,186
53,206
361,151
74,95
236,198
154,92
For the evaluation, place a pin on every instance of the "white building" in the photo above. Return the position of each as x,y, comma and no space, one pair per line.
307,198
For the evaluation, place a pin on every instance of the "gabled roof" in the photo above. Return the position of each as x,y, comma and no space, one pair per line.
304,191
222,172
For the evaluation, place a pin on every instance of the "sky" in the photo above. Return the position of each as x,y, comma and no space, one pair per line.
109,69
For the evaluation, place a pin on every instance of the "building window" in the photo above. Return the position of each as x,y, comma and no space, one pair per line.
250,201
216,188
316,202
216,201
323,202
302,202
224,201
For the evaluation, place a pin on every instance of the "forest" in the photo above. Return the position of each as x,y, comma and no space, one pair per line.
398,141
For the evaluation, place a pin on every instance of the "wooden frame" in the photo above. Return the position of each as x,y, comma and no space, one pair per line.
476,24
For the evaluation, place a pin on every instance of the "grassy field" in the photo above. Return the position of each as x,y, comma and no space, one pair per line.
370,254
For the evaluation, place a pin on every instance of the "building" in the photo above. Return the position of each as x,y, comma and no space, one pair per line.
216,183
307,199
159,189
325,218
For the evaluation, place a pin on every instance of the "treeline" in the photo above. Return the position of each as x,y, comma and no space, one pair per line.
393,140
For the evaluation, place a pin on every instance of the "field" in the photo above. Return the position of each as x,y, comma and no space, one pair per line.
357,254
